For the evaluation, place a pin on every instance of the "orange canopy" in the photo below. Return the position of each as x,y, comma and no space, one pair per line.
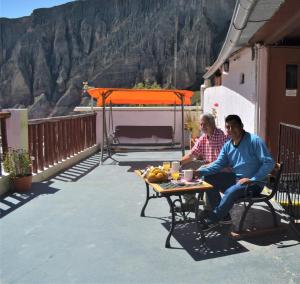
140,96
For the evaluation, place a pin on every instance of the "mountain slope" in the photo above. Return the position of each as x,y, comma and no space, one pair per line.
45,57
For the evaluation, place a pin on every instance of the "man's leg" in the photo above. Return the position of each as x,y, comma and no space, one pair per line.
232,194
220,181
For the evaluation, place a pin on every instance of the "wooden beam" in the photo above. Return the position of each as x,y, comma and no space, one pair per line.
4,115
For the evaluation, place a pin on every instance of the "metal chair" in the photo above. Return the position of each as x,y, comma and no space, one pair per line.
272,185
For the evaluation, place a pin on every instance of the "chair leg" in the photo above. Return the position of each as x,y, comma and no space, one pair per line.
244,216
273,213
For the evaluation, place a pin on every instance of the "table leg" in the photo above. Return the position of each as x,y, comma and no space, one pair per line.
197,219
167,245
146,201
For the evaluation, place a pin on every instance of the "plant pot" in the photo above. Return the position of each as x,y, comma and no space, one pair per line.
22,184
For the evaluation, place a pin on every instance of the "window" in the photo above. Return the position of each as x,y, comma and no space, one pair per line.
291,79
226,67
242,78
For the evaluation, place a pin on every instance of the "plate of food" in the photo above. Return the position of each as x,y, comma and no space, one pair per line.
192,182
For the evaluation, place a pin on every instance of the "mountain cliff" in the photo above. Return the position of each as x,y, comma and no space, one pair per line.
45,57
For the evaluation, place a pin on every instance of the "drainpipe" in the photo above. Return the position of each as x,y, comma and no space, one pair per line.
257,126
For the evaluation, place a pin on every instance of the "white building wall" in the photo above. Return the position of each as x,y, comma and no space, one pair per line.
17,129
233,97
230,102
262,90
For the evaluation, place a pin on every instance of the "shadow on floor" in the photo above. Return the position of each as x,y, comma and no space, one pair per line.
79,170
217,244
280,240
136,165
13,200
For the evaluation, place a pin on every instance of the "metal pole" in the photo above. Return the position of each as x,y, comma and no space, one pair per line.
92,104
175,48
103,123
182,126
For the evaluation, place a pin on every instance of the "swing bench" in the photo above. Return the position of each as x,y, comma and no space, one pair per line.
139,136
143,136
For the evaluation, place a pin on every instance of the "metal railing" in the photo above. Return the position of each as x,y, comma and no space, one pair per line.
53,140
289,153
3,137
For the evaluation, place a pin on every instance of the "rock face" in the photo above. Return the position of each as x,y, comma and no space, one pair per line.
44,58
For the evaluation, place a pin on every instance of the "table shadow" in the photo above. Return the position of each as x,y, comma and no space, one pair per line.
218,243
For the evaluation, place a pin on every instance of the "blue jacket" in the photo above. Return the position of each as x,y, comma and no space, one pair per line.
250,159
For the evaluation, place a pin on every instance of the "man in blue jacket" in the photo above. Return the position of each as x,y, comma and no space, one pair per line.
249,159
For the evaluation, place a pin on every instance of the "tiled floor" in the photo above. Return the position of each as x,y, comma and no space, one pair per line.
84,226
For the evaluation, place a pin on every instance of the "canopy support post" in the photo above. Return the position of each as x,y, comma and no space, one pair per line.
181,98
105,145
182,127
103,129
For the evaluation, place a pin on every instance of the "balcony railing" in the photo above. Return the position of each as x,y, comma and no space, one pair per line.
53,140
289,154
3,136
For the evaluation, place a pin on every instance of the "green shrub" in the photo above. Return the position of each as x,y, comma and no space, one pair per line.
17,163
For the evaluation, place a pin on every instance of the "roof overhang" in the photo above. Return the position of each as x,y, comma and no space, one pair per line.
248,17
283,27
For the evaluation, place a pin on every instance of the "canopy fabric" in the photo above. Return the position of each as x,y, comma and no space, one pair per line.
140,96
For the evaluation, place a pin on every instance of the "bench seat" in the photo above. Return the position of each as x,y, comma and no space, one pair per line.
131,135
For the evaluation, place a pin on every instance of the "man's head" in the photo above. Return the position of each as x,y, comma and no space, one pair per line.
234,126
207,123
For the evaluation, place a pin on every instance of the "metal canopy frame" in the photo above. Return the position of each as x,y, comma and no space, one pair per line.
105,140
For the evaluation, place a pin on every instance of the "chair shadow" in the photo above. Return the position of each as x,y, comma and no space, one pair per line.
79,170
261,219
11,201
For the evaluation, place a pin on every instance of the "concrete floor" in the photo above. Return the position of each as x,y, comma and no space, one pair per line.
84,226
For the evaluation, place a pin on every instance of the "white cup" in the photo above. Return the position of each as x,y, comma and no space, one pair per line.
175,166
188,175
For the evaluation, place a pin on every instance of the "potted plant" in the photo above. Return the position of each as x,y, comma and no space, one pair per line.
17,163
192,125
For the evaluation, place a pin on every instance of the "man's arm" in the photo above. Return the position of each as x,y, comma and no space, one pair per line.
264,156
187,159
217,165
196,152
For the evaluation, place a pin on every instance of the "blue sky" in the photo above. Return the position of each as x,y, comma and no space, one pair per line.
21,8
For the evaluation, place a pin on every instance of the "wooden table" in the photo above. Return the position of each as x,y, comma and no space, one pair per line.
167,190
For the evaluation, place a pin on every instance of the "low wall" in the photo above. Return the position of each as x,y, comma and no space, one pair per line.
139,116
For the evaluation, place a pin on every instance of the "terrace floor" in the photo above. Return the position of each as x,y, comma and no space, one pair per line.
84,226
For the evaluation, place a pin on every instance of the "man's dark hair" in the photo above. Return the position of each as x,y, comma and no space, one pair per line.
234,117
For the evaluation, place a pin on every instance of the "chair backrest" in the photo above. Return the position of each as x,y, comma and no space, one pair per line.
274,179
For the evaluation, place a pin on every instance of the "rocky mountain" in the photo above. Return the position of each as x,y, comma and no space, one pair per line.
45,57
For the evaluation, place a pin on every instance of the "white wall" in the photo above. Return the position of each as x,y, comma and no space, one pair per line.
141,116
241,62
230,102
17,129
233,97
262,89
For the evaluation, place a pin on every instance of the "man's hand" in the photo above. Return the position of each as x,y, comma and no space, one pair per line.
244,181
195,174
